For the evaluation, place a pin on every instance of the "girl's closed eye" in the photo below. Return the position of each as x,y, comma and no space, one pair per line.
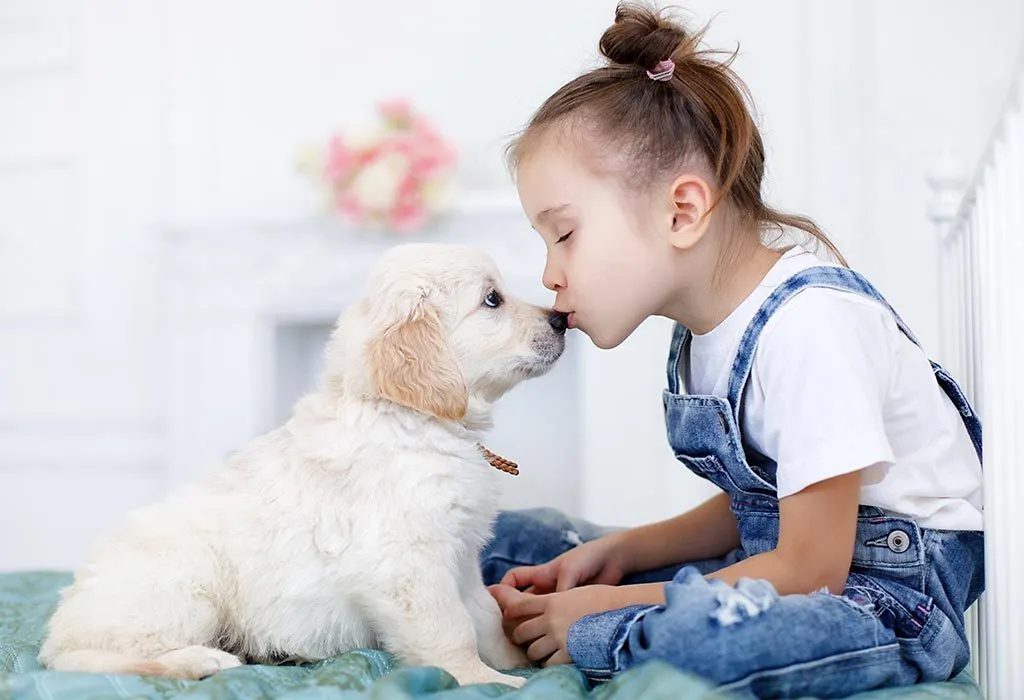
563,238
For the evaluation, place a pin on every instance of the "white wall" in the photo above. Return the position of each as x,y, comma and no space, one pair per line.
119,118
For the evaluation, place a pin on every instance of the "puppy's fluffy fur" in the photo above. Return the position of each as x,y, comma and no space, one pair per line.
358,523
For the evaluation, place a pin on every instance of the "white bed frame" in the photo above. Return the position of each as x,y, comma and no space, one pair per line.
980,222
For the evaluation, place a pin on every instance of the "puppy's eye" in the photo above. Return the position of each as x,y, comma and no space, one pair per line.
493,299
564,238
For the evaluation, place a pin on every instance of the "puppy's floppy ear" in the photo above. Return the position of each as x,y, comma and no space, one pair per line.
411,363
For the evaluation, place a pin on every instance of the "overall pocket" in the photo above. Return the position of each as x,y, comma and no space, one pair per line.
710,468
927,637
903,610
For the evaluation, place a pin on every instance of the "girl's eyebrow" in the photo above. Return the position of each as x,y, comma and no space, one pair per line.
551,211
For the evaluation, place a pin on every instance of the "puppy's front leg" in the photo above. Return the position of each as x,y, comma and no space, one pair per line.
421,618
494,646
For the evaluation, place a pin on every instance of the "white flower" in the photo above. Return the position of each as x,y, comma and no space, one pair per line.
363,135
437,194
376,185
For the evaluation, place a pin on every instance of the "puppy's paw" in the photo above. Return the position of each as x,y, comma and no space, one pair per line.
197,662
489,676
509,656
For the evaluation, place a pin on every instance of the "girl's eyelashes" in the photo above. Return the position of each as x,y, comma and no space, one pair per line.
564,238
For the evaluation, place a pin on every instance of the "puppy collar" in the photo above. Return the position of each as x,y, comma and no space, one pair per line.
499,463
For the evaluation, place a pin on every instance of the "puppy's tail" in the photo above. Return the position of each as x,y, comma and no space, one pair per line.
99,661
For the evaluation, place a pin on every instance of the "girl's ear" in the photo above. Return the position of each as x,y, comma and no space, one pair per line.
691,199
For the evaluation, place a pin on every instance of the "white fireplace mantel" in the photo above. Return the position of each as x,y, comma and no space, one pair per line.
315,264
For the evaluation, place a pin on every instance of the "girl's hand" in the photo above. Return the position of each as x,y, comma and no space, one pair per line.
541,622
600,561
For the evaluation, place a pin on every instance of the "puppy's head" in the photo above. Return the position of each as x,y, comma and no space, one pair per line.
438,333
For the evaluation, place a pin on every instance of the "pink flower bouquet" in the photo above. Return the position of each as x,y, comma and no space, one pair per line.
394,173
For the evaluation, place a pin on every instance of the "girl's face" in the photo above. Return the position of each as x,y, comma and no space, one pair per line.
609,266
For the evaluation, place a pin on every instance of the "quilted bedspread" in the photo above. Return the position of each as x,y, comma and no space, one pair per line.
27,599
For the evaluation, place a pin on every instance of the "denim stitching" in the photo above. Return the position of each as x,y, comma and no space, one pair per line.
807,665
618,641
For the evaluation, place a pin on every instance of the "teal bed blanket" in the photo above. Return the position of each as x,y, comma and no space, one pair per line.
27,599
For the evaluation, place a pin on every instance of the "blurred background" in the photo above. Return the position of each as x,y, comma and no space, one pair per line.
168,274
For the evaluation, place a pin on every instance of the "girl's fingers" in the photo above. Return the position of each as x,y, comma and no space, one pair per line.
529,630
542,578
542,649
559,657
567,578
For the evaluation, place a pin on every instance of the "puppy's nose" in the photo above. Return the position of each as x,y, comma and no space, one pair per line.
558,321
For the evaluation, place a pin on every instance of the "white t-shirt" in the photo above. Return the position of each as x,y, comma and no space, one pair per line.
835,388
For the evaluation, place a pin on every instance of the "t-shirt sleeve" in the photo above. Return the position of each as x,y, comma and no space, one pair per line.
824,364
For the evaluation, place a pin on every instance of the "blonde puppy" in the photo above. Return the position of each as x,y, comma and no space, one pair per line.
357,523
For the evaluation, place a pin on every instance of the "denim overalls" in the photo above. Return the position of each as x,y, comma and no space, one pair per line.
900,619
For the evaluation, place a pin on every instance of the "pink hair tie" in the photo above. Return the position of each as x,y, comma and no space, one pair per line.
663,71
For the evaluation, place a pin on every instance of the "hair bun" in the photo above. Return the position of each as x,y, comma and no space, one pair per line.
641,36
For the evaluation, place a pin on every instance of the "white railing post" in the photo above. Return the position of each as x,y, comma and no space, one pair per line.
1000,201
948,180
981,244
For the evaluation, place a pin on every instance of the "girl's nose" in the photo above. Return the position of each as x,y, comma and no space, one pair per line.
553,278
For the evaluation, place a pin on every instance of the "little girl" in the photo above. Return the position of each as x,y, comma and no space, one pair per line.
847,541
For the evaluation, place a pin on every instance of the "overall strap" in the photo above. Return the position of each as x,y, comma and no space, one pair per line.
678,349
839,278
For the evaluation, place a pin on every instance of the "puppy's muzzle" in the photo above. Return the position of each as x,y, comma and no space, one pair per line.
549,340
